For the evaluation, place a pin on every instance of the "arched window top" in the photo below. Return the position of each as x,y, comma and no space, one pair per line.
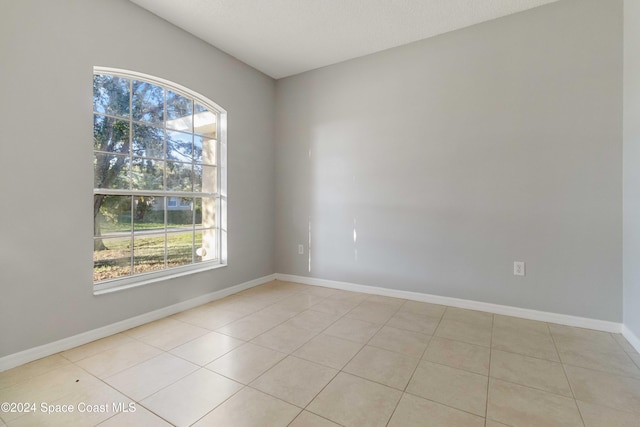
158,81
159,179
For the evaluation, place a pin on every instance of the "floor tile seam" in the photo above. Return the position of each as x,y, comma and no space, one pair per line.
610,372
394,311
105,350
521,331
459,340
533,388
453,367
575,402
486,403
176,346
359,377
167,317
613,335
208,412
317,415
302,408
557,362
198,367
599,371
279,398
369,379
163,419
496,421
211,361
229,335
422,356
306,308
636,363
624,411
315,336
415,368
322,416
174,382
464,322
422,315
586,348
352,340
219,326
399,352
329,325
42,373
124,369
60,353
104,383
234,380
443,404
468,322
280,351
263,347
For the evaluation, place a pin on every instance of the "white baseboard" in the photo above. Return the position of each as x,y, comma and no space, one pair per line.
17,359
562,319
631,337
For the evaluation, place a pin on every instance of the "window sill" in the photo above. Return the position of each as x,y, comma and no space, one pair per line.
142,280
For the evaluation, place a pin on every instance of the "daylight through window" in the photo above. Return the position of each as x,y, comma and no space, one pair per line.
159,154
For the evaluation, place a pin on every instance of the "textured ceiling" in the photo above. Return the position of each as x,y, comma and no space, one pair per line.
286,37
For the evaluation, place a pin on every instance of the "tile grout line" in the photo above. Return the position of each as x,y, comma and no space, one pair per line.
575,401
486,404
244,386
341,370
404,391
290,354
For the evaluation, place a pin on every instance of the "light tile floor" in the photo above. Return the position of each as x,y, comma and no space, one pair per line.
286,354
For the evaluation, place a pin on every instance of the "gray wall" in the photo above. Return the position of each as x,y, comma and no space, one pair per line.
47,51
457,155
631,166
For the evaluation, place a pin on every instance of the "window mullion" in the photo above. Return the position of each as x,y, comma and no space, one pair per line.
130,174
111,84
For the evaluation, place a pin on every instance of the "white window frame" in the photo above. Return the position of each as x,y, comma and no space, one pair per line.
111,285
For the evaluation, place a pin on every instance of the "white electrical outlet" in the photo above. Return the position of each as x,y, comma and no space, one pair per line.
518,268
300,249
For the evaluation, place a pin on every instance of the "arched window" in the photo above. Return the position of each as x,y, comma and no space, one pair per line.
159,204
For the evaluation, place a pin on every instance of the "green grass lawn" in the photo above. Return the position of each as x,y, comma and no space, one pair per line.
110,227
148,254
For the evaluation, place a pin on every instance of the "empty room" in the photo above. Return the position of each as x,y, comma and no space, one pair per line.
320,213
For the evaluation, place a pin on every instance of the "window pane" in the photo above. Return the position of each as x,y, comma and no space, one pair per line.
179,249
148,141
146,174
111,95
110,134
179,146
112,215
179,176
148,252
179,213
204,179
110,171
205,214
111,258
204,150
148,214
179,112
205,245
148,103
204,122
